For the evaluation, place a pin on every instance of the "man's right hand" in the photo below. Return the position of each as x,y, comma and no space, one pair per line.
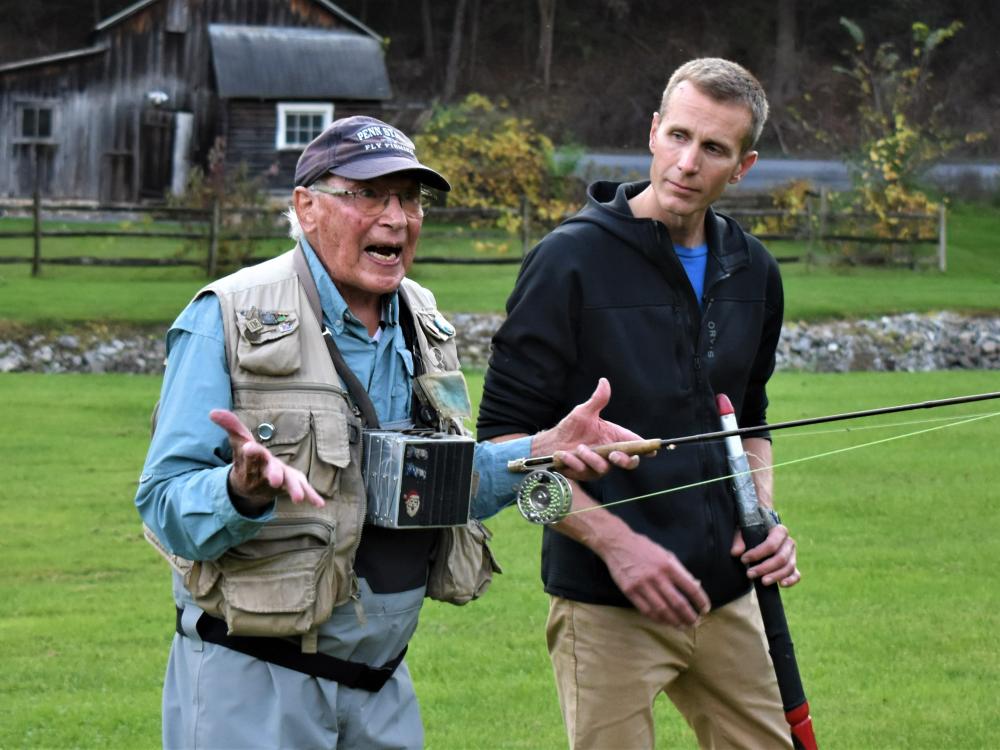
654,580
256,475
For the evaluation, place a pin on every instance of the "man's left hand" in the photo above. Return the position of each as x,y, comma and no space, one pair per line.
772,560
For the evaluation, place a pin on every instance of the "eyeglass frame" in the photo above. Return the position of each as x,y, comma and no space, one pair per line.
422,195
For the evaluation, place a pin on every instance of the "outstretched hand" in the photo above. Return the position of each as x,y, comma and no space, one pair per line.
256,475
570,440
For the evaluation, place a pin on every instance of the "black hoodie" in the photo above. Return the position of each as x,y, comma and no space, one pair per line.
604,294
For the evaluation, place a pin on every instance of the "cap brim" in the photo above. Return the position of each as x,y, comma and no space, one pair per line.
368,169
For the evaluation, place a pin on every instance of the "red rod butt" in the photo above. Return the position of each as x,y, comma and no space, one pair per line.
725,405
801,725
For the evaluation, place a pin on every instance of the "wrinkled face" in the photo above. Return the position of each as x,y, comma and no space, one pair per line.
696,144
365,255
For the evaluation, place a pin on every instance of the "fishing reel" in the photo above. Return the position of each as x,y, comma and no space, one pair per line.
544,497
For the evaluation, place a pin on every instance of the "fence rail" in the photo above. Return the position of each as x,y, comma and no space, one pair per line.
815,227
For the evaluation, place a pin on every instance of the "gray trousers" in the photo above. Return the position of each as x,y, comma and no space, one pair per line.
214,697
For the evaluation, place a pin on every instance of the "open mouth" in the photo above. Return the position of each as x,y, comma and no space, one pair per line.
384,253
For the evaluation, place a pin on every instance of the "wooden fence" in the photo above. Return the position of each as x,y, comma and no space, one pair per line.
817,227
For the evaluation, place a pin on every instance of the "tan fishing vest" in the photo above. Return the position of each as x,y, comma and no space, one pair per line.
288,578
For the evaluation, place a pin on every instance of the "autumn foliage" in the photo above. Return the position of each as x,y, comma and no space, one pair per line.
495,160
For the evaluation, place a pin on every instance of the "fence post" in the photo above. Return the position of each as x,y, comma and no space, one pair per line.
942,238
36,213
824,211
213,239
525,225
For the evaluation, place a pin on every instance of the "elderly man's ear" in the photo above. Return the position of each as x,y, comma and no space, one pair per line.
306,205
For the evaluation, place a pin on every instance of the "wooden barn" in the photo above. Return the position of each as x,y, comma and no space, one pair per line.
123,119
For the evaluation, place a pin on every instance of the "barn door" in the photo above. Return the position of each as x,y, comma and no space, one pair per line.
156,152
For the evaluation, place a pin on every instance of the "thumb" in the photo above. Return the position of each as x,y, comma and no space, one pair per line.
739,547
598,399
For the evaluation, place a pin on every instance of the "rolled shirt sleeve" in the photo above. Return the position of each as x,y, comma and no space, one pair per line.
182,495
497,486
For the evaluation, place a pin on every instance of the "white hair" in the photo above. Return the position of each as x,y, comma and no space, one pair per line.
294,228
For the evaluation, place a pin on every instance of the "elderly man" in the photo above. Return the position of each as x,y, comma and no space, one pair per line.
293,610
674,303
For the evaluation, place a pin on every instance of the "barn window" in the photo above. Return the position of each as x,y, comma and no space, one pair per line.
299,123
36,122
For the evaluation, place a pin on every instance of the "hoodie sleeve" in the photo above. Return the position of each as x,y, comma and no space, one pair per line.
754,412
535,349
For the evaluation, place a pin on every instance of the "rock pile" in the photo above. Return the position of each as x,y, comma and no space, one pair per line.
909,343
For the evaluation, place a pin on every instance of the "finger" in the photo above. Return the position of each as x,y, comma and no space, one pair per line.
771,544
693,594
592,460
570,462
300,490
649,602
231,424
623,460
791,580
777,566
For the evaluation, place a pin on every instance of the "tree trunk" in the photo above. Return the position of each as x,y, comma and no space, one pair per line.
454,52
473,42
546,26
784,81
427,26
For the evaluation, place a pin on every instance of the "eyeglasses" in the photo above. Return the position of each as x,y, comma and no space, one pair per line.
373,201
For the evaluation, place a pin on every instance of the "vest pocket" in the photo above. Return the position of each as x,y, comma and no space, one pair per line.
275,583
268,348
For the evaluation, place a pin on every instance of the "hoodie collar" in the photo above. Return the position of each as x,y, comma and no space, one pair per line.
726,241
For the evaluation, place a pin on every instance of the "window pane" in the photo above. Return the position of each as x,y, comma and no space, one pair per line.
44,123
28,129
303,125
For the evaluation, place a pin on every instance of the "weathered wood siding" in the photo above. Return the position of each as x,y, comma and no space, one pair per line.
250,139
101,101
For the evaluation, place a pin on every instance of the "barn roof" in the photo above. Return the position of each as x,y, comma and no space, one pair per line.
141,4
74,54
269,62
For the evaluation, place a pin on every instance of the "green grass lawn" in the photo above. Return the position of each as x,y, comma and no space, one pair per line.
155,295
895,621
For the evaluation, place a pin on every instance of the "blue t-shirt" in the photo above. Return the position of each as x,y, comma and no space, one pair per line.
694,260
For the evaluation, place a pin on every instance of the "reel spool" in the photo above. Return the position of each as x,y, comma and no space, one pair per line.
544,497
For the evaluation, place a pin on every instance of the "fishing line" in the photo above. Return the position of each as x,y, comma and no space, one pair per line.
790,462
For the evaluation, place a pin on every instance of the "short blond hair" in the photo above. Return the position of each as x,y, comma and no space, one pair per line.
724,81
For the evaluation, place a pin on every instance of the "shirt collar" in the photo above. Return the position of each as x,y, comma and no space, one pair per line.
334,307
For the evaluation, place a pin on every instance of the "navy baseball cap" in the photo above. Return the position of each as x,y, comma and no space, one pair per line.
362,148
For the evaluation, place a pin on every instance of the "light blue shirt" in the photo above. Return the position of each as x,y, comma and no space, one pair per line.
694,260
182,493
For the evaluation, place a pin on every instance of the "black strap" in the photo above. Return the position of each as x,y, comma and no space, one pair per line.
287,654
362,401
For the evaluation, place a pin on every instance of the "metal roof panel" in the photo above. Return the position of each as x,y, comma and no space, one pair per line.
270,62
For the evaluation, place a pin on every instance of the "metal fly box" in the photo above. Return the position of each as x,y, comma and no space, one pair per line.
417,480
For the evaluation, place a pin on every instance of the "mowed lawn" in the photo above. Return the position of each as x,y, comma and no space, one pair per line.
895,621
63,295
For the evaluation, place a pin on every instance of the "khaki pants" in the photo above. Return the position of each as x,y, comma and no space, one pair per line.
612,662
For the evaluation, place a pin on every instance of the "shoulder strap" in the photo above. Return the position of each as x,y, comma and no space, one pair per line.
362,401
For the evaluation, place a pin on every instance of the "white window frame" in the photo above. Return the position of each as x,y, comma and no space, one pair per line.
303,108
36,105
